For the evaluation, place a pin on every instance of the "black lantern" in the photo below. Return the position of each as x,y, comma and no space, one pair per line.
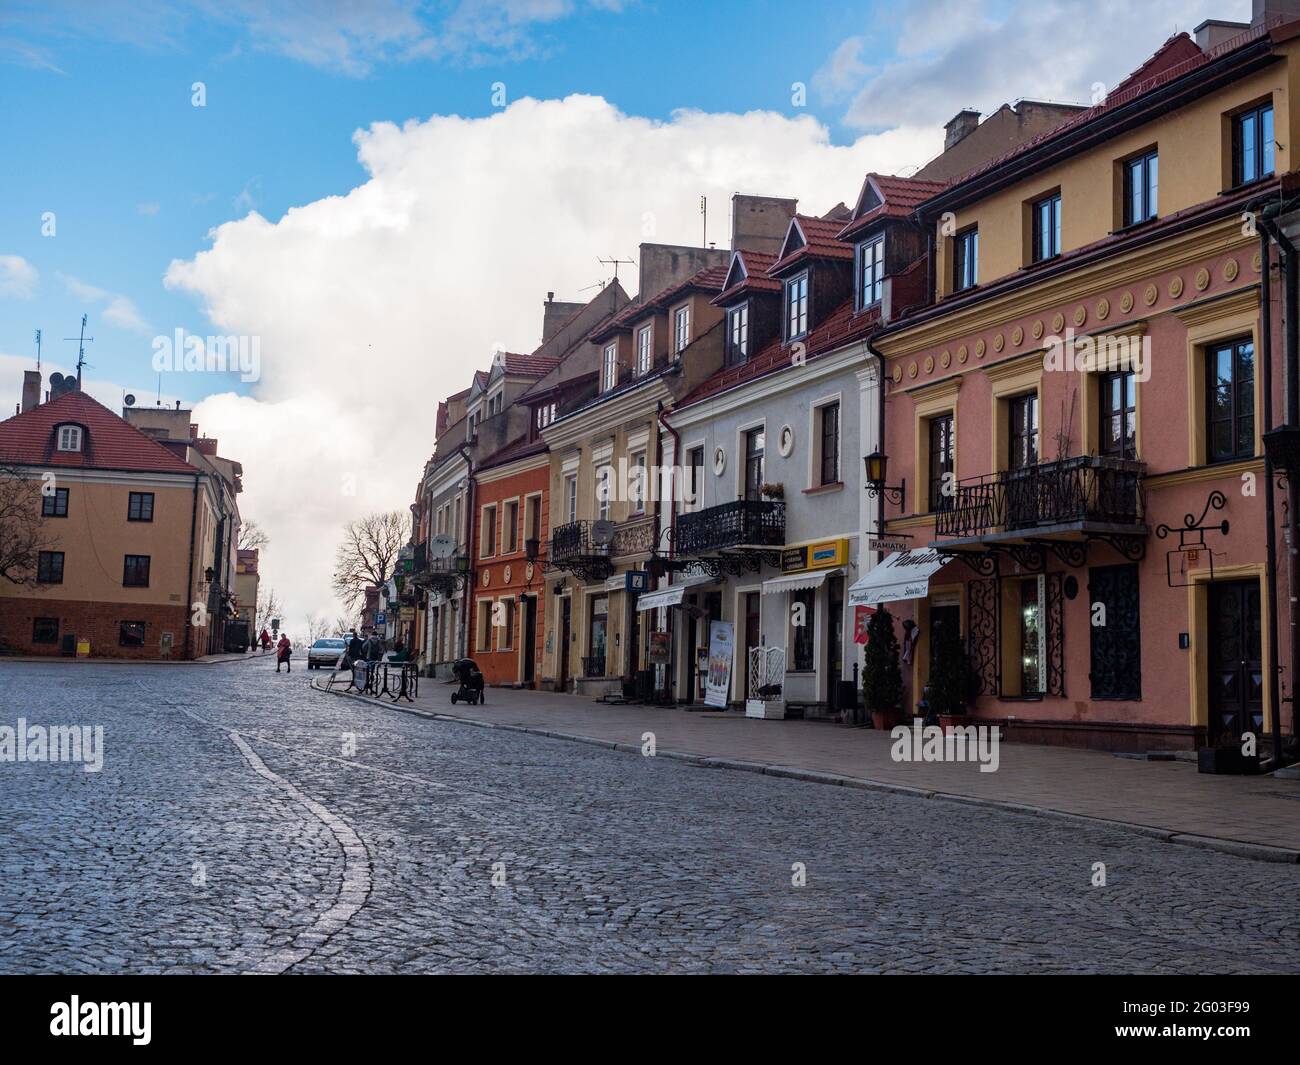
531,547
1282,445
877,464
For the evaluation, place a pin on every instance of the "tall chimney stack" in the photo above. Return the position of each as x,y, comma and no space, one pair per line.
31,389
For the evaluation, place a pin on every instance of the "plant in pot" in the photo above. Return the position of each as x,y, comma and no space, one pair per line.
772,491
882,678
954,683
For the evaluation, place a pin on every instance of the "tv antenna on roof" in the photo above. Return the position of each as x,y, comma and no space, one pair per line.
614,263
81,348
38,351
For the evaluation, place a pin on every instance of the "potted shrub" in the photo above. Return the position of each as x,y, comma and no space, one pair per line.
882,678
954,683
772,491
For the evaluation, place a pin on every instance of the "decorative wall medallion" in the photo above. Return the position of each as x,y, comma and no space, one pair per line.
1150,294
1103,308
785,441
1230,270
897,374
1254,262
719,461
999,342
911,368
929,364
505,573
980,348
528,571
1037,329
1018,335
1126,302
962,353
1202,279
1080,314
1175,288
1058,322
945,360
487,578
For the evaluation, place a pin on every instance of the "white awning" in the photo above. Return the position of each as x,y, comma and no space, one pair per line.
670,596
903,575
797,582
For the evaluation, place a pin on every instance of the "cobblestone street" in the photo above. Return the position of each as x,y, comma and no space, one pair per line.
244,822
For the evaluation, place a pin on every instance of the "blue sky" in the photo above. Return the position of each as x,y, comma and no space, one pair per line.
352,199
136,176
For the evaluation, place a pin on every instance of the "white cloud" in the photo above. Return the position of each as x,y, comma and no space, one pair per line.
18,277
118,310
373,305
843,71
982,54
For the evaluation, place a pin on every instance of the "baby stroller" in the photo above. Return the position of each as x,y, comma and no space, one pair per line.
466,671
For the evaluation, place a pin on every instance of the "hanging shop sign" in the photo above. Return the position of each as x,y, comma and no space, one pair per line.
824,554
861,616
722,647
638,580
660,643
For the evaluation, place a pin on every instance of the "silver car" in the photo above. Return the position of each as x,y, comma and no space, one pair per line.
325,652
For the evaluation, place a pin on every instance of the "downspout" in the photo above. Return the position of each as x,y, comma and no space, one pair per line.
189,583
469,546
661,412
1291,318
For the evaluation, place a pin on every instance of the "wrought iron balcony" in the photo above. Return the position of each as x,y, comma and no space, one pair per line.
744,522
1082,491
574,550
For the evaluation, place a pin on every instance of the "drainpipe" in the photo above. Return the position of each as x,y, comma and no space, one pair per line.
880,434
189,580
1291,318
469,584
661,412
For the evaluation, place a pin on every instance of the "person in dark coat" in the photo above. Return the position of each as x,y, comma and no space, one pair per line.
284,655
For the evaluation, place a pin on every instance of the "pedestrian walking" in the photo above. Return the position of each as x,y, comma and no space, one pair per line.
284,655
265,641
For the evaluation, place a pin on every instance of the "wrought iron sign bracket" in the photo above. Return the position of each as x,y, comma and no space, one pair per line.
1191,535
1070,553
984,563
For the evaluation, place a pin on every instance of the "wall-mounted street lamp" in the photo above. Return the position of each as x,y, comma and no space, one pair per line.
532,546
877,465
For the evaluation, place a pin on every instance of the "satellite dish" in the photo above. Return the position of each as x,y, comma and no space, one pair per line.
602,532
442,546
129,399
56,381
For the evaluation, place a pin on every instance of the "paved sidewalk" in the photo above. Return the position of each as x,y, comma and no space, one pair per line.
204,660
1257,817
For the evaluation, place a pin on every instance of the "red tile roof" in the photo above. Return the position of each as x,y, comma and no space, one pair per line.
899,197
842,326
520,449
530,365
755,266
821,241
109,442
710,279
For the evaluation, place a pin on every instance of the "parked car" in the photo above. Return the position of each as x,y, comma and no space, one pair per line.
325,652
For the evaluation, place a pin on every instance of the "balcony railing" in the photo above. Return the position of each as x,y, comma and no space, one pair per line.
753,522
1068,491
573,543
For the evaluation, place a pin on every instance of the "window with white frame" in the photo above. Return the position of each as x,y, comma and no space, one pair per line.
609,373
69,438
571,498
681,327
510,527
604,489
737,334
796,306
871,272
643,356
637,485
488,536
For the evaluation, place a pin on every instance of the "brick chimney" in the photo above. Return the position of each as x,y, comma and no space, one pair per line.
961,125
759,223
31,389
1262,10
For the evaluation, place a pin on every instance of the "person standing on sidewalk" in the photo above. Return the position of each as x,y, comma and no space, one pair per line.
284,654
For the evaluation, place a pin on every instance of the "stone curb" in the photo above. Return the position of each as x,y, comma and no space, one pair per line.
1259,852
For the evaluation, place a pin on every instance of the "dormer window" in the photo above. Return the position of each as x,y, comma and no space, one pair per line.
796,306
643,351
871,272
69,438
609,370
681,328
737,334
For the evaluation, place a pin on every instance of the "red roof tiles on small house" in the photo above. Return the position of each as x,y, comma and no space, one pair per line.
888,196
108,442
710,279
748,273
811,237
529,365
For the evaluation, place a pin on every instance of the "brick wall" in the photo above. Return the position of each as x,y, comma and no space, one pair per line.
97,622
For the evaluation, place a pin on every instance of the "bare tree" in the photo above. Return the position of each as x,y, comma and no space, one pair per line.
268,607
317,627
344,624
252,537
23,535
367,554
